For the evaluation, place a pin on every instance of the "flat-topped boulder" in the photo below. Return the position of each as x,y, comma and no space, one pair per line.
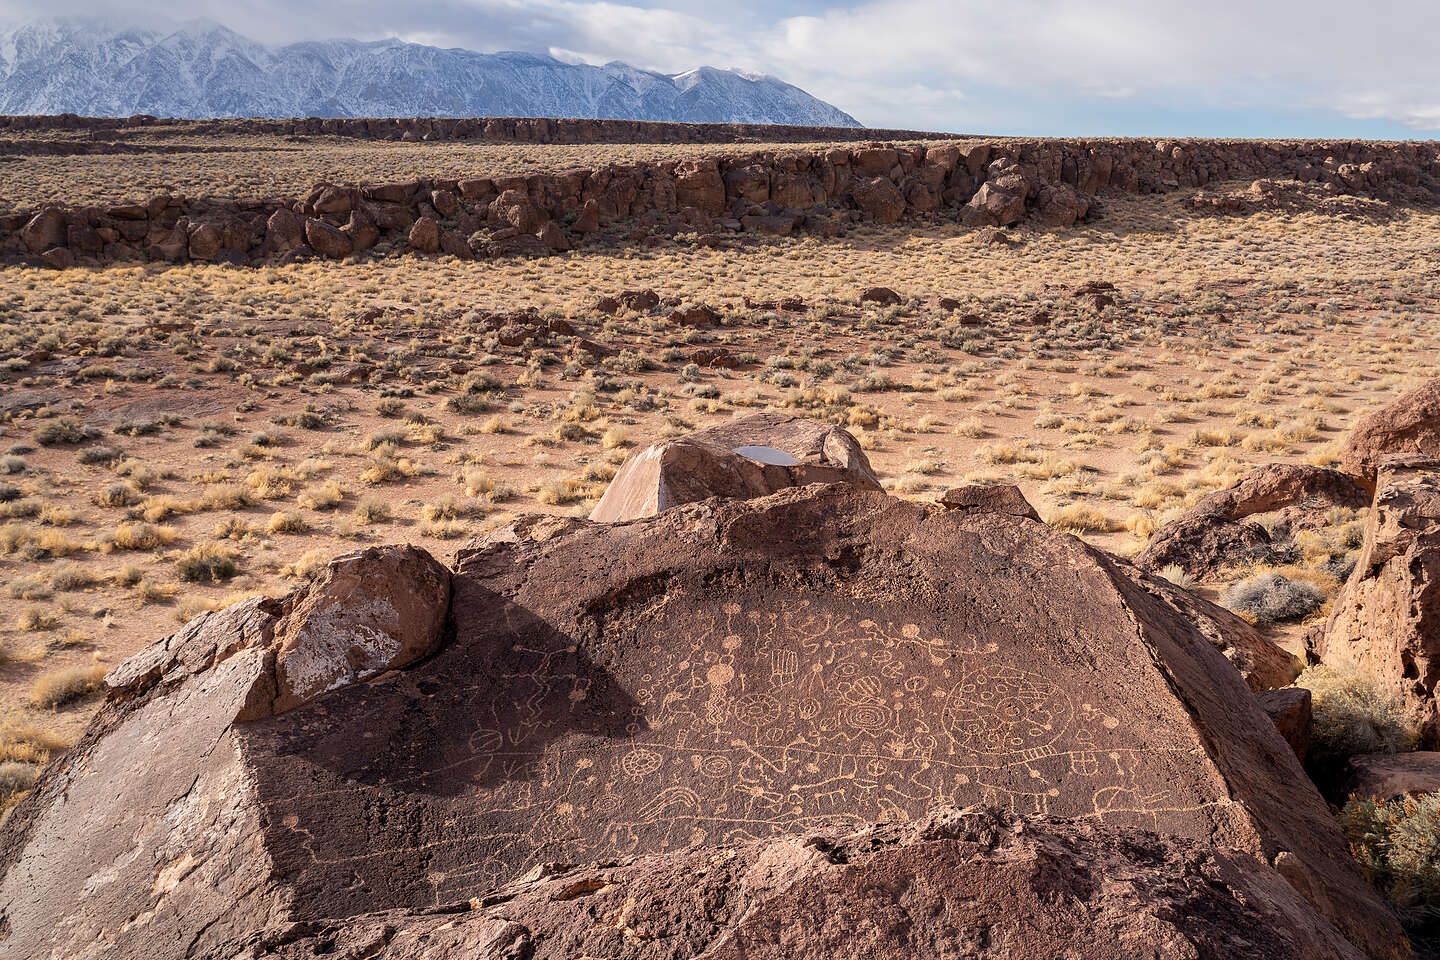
745,458
988,498
724,673
953,883
1389,775
1410,426
1386,621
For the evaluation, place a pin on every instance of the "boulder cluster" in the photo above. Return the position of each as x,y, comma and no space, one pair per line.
754,707
1385,622
984,184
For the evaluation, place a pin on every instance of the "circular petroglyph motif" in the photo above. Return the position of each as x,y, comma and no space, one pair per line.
641,762
715,766
1004,710
808,708
866,716
757,709
720,674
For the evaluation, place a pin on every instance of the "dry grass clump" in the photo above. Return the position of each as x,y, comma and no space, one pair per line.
310,563
560,491
36,620
1082,518
1353,714
139,536
24,750
321,496
208,563
973,427
286,522
65,685
1176,574
371,510
15,779
149,591
63,430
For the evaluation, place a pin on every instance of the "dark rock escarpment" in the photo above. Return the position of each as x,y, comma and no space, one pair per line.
708,680
821,189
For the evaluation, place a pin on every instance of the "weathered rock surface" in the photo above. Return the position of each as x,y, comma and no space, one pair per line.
368,612
745,458
1214,533
1409,426
962,883
1291,710
724,672
1387,775
1386,621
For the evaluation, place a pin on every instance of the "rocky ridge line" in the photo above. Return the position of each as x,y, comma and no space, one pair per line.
983,184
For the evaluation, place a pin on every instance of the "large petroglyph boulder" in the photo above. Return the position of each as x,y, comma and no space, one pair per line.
1386,621
726,672
745,458
957,883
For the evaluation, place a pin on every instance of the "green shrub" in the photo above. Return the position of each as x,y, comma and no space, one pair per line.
1397,844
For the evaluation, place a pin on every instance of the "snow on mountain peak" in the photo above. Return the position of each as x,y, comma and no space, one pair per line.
200,68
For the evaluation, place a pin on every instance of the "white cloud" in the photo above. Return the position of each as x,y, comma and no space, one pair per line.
1378,63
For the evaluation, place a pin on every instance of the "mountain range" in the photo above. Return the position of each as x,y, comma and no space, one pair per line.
203,69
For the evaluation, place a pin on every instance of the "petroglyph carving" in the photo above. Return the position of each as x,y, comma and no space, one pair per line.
760,721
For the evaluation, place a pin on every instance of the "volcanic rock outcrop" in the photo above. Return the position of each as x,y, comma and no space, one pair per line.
1292,711
983,183
956,883
1409,426
1386,621
1215,533
745,458
708,679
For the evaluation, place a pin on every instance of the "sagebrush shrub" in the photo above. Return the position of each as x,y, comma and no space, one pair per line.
1397,844
1272,597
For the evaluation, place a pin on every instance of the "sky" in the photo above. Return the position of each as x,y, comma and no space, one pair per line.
1318,68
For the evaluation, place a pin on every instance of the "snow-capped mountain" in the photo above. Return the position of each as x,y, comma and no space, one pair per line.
203,69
